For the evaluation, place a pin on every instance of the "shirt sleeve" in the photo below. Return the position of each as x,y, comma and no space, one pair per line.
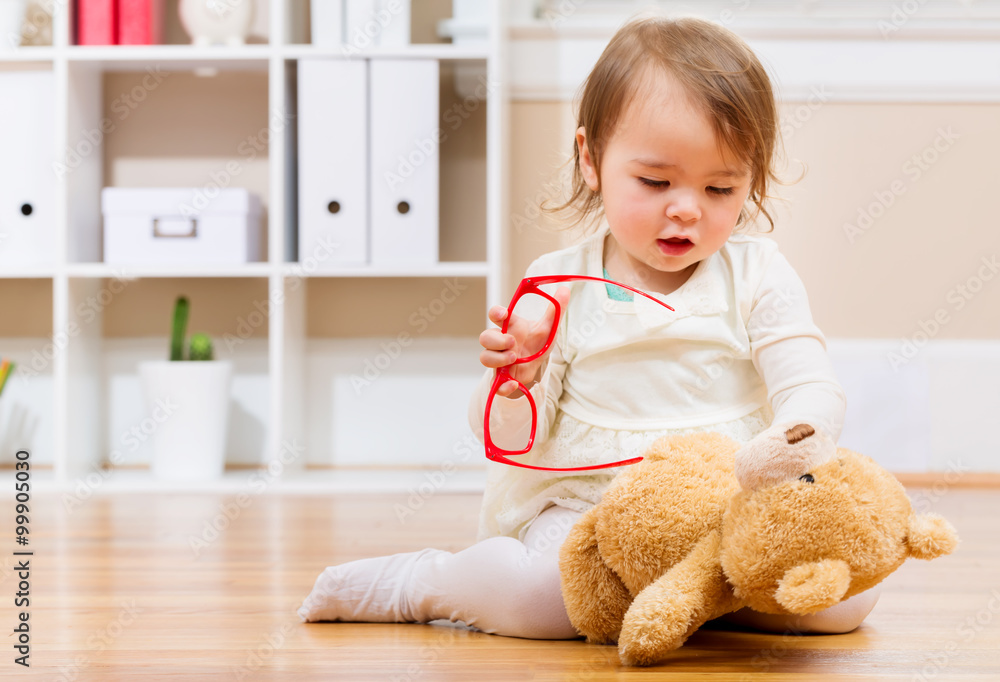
789,352
510,418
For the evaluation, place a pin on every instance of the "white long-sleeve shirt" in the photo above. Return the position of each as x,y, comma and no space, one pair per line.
740,340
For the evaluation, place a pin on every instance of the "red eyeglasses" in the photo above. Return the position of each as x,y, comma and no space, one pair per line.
530,286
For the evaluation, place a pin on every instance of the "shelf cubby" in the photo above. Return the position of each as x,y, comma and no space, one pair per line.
27,419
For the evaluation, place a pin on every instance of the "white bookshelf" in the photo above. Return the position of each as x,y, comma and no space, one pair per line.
80,408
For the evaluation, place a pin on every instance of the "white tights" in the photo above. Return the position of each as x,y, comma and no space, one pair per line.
499,585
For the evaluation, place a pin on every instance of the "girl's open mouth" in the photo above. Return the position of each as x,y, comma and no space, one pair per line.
675,246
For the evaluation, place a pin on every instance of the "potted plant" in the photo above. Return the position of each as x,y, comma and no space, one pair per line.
188,398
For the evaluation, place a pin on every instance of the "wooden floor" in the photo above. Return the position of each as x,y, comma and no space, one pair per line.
119,592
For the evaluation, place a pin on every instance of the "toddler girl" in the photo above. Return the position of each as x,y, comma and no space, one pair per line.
676,138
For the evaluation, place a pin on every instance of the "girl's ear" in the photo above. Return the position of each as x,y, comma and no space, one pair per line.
587,168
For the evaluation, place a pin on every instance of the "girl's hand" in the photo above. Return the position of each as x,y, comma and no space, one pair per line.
523,338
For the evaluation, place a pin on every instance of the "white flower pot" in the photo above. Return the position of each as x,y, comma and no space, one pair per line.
189,402
11,21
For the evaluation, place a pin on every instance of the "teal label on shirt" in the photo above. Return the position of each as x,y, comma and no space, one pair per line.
616,293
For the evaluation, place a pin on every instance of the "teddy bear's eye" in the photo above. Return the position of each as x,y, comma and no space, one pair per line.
808,478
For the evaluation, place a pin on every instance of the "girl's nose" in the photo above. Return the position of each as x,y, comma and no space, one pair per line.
682,205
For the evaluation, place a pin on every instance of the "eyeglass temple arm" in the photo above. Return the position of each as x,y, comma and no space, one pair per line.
505,460
552,279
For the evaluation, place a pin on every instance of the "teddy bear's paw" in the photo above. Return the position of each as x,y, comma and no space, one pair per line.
782,452
650,644
815,586
655,628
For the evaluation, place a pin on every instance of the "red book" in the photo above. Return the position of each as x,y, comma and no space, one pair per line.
96,22
140,22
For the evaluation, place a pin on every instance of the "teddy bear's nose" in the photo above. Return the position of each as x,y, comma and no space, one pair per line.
798,432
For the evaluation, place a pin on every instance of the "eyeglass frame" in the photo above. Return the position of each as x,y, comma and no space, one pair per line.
530,285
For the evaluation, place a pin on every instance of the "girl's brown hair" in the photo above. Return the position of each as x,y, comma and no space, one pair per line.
718,71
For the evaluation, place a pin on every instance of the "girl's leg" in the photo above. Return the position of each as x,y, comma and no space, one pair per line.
838,619
499,585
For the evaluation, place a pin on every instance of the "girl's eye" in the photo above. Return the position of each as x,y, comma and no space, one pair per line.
721,191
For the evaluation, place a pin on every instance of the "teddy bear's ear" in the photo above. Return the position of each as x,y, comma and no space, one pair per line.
812,587
930,536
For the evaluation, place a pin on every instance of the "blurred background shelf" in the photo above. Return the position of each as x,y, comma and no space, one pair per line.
368,367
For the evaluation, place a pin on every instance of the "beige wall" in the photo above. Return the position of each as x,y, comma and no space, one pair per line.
902,269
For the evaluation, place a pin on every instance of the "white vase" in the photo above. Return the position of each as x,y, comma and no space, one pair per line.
11,21
189,403
217,21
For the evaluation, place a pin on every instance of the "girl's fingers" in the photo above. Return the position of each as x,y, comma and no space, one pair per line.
494,359
507,388
497,314
494,339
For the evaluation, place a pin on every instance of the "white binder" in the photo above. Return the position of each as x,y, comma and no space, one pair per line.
376,23
359,31
27,173
405,138
326,19
333,162
396,31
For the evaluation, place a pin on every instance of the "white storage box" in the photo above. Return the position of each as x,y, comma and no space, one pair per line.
180,225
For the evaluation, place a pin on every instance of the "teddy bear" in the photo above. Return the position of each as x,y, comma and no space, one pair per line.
702,527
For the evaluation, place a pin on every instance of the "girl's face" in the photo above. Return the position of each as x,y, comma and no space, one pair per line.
667,197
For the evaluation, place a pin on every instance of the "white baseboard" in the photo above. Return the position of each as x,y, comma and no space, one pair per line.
931,408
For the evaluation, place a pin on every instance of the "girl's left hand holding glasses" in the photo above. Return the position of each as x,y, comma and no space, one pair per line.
524,338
